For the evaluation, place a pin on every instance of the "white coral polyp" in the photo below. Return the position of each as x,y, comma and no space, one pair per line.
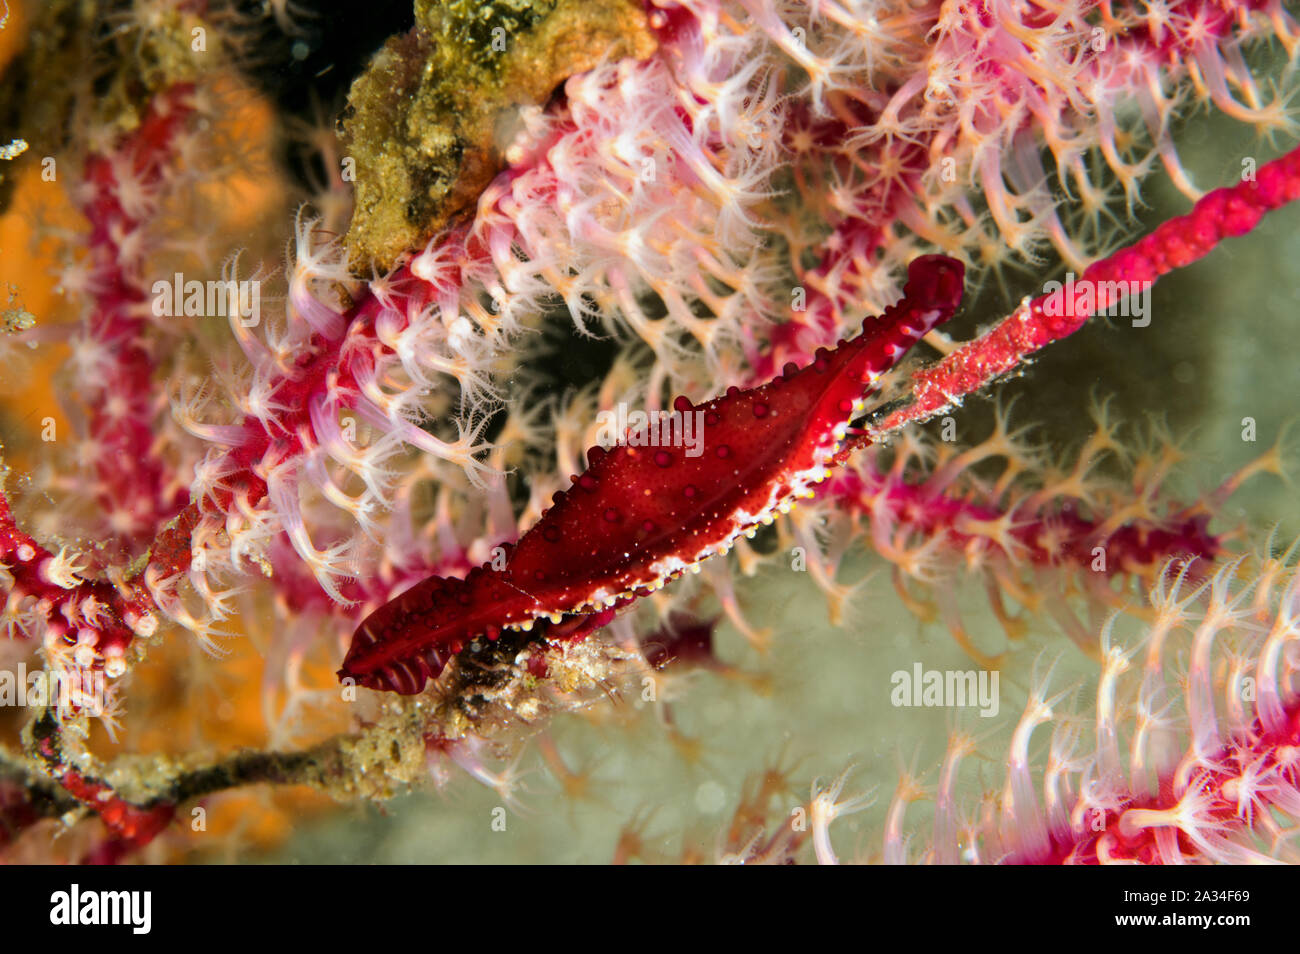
647,184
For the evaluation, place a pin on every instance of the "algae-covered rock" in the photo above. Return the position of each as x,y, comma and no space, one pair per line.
427,122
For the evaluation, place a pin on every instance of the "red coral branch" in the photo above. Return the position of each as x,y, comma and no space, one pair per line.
133,824
1224,213
84,625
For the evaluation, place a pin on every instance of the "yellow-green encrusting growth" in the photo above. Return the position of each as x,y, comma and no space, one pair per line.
427,123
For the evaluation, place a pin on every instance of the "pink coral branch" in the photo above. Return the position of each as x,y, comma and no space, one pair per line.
119,195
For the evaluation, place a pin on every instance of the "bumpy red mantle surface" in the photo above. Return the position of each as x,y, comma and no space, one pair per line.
640,516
